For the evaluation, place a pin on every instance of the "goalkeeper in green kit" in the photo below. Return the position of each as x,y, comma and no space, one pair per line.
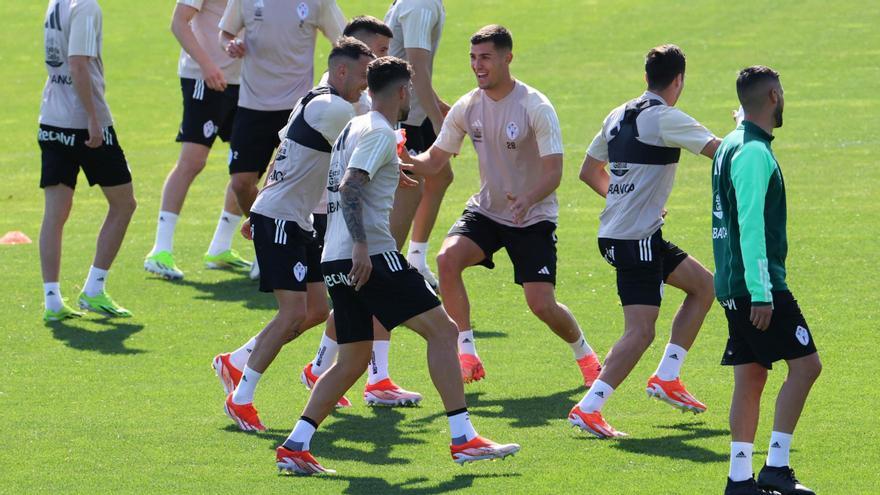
764,321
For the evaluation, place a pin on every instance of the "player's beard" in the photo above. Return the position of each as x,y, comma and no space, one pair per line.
777,114
403,114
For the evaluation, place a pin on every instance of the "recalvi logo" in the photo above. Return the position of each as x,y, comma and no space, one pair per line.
61,137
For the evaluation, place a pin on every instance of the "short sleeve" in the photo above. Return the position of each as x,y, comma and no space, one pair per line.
599,146
680,130
232,20
454,128
545,123
85,26
196,4
374,150
329,115
331,22
417,23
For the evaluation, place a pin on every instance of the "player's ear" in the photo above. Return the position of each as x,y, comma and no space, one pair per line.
509,58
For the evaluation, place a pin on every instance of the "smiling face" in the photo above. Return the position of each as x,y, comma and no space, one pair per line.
490,64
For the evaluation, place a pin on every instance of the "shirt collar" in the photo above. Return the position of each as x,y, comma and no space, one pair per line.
654,96
752,128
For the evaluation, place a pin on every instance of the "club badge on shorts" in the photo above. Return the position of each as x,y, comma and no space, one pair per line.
302,10
802,335
209,129
299,271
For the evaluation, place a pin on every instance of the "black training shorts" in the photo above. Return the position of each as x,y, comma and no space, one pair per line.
282,249
788,336
207,114
64,152
642,266
254,139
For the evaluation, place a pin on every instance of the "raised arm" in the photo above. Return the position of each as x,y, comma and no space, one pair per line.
593,174
352,190
180,27
428,162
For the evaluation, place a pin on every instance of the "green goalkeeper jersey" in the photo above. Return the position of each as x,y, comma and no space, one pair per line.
748,217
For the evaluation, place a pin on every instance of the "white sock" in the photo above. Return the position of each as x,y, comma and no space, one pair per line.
244,392
165,232
378,368
466,344
780,447
670,365
740,461
239,357
52,296
95,281
580,347
325,356
417,254
301,436
595,397
226,227
460,427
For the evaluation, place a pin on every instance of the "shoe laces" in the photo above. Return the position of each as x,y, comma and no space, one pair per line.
791,475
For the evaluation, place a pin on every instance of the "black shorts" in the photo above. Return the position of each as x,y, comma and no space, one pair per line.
282,249
64,152
532,249
787,337
642,266
314,249
394,293
419,138
207,114
254,139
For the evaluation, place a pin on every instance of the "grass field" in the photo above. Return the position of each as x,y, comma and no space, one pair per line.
105,406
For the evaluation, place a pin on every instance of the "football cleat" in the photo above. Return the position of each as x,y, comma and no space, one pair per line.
673,393
590,368
62,314
244,415
308,379
387,393
162,264
593,423
254,274
227,259
471,368
228,374
783,480
298,462
479,449
746,487
104,304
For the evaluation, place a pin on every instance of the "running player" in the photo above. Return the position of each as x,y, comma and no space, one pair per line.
642,140
288,246
367,276
516,134
763,318
277,54
76,131
209,82
380,388
417,26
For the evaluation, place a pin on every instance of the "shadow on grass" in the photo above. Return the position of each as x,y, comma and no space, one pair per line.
373,485
236,289
375,437
675,445
524,412
489,334
104,341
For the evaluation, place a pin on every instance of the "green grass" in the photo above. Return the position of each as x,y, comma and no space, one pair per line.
99,406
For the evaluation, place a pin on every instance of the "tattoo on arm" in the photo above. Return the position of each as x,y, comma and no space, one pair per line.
352,190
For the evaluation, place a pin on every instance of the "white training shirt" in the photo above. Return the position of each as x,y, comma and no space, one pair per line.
367,143
73,27
638,192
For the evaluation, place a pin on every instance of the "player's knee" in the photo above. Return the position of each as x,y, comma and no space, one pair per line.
240,185
124,206
448,264
542,306
641,334
316,316
810,368
190,167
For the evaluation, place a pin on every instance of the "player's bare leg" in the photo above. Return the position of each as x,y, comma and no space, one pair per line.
190,164
244,186
802,373
58,203
350,365
121,206
424,220
456,254
638,333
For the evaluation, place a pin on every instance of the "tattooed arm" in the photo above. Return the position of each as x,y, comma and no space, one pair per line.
352,190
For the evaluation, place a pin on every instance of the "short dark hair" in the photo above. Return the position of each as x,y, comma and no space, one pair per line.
663,64
385,72
351,48
369,24
749,83
497,34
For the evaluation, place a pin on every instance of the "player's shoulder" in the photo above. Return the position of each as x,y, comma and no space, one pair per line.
468,99
84,6
532,99
410,5
372,123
